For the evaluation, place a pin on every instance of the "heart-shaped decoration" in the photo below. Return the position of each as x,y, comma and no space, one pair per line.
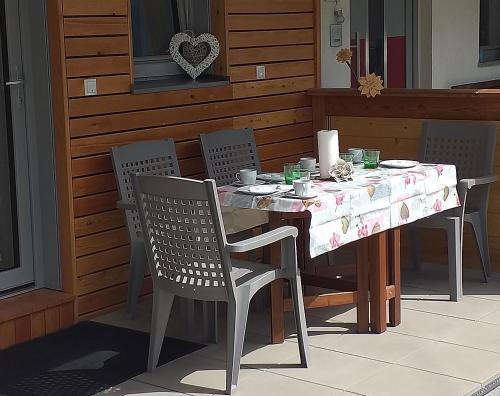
197,46
194,55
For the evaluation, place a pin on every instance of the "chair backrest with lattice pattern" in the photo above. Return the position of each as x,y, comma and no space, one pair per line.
146,158
469,145
227,152
184,236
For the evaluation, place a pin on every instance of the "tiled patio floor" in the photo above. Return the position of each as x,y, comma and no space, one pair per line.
441,348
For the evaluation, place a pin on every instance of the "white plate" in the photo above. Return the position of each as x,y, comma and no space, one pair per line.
292,195
399,164
271,177
240,184
267,189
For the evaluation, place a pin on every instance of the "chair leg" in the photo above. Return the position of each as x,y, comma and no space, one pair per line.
454,237
237,315
162,306
300,319
414,240
479,226
138,262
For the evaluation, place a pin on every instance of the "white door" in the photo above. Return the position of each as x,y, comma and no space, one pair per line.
16,242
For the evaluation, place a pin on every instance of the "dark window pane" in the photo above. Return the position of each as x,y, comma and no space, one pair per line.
376,22
154,22
9,257
489,31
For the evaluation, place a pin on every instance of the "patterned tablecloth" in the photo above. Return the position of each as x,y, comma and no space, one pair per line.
374,201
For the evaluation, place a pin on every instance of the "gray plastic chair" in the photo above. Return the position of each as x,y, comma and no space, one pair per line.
150,158
470,146
227,152
189,256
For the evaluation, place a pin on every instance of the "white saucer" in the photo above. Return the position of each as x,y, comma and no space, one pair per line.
267,189
240,184
271,177
292,195
399,164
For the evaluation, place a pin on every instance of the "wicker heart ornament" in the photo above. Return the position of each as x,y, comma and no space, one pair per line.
196,45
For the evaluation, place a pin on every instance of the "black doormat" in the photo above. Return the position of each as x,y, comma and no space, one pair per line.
82,360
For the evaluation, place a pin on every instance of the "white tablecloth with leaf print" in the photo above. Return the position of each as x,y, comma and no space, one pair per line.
374,201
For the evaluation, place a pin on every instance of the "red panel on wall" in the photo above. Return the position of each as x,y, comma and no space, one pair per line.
396,62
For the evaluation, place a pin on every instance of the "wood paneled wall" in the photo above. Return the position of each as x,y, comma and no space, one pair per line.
93,39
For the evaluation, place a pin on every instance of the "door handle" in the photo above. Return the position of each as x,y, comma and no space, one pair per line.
13,83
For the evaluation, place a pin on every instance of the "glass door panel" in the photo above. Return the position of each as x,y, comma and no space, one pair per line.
359,38
16,242
381,40
9,258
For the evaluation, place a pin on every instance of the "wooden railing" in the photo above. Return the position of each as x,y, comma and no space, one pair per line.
445,104
491,84
393,121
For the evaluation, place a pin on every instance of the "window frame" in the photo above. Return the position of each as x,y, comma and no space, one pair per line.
147,70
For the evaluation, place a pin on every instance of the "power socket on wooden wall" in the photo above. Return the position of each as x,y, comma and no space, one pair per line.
261,72
90,86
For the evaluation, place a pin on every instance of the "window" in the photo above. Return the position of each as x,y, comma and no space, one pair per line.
154,23
489,31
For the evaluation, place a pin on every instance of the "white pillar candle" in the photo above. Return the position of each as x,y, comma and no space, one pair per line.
328,148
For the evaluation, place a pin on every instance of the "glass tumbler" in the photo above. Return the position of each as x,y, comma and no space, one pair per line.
371,159
291,173
347,157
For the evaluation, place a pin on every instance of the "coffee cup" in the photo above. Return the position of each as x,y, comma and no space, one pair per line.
247,176
357,154
302,188
308,164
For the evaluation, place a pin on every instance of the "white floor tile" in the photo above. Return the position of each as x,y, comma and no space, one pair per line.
467,308
402,381
134,388
456,361
477,335
428,325
388,347
333,369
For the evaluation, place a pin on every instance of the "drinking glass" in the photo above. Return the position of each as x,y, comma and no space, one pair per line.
291,173
347,157
371,159
302,175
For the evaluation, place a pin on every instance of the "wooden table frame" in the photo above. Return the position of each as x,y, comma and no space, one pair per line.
378,280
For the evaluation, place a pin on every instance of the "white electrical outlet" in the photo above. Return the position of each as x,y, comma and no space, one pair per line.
261,72
90,87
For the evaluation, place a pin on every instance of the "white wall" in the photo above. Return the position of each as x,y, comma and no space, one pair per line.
455,44
334,74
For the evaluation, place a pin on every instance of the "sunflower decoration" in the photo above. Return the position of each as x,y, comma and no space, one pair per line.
344,55
371,85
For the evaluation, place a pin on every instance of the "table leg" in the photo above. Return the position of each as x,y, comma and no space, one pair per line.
378,282
362,273
395,276
277,299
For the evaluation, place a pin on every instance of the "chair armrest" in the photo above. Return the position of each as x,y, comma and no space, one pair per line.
478,181
125,205
263,240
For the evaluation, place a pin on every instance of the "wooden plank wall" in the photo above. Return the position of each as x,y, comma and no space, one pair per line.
95,42
400,138
34,314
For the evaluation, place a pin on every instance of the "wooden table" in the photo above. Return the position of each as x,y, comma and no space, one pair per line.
377,273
